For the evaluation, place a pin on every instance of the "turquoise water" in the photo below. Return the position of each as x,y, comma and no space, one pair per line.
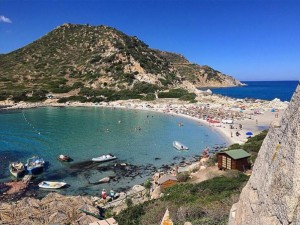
267,90
81,133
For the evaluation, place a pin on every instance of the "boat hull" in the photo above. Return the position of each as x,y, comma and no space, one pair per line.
51,184
16,172
102,159
35,165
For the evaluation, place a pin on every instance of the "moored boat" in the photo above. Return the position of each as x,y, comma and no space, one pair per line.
104,158
35,164
179,146
52,184
16,168
64,158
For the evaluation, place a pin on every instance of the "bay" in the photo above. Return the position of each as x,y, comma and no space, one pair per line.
141,139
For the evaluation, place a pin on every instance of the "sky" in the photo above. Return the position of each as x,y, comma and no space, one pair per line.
247,39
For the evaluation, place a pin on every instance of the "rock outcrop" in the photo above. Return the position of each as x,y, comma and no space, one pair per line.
53,209
200,76
272,194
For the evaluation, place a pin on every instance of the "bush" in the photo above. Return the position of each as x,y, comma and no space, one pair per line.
62,100
4,96
17,97
149,97
188,97
183,177
77,84
173,93
145,88
129,202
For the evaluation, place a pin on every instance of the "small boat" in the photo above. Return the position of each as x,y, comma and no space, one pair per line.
104,158
35,164
52,184
179,146
16,168
64,158
104,180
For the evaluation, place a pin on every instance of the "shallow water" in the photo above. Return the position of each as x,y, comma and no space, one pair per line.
81,132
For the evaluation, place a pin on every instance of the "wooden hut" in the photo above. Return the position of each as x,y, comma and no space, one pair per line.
167,181
236,159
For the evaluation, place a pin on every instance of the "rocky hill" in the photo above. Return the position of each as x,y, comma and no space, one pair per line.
272,193
73,57
200,76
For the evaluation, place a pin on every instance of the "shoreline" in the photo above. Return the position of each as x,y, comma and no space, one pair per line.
248,120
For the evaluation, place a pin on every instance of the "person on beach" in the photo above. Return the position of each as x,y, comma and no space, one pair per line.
103,194
112,194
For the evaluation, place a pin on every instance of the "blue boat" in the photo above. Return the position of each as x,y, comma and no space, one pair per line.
35,165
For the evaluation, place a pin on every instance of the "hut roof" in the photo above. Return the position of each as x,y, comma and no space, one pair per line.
166,178
237,153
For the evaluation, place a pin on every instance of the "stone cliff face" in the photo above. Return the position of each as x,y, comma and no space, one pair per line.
272,194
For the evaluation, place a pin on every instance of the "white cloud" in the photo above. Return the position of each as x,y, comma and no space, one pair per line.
4,19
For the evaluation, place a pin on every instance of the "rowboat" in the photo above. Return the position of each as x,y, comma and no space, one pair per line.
51,184
179,146
16,169
104,158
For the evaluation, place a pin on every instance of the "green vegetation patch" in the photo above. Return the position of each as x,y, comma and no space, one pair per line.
173,93
205,203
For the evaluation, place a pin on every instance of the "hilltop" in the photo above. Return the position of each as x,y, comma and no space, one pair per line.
82,59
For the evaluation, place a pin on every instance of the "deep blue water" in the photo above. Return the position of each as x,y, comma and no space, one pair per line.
267,90
80,132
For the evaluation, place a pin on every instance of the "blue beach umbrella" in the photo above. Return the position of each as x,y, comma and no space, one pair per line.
249,133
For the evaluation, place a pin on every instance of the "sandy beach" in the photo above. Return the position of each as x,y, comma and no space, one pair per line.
212,111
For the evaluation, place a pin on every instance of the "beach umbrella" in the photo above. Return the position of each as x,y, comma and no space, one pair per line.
249,133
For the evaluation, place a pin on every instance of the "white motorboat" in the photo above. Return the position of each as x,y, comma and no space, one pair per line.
179,146
104,158
52,184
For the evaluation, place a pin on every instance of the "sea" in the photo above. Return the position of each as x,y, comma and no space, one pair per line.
266,90
140,139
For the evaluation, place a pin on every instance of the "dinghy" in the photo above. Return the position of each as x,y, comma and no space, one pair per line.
51,184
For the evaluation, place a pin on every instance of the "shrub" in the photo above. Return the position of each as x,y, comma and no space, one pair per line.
77,84
143,87
188,97
149,97
173,93
183,177
62,100
129,202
